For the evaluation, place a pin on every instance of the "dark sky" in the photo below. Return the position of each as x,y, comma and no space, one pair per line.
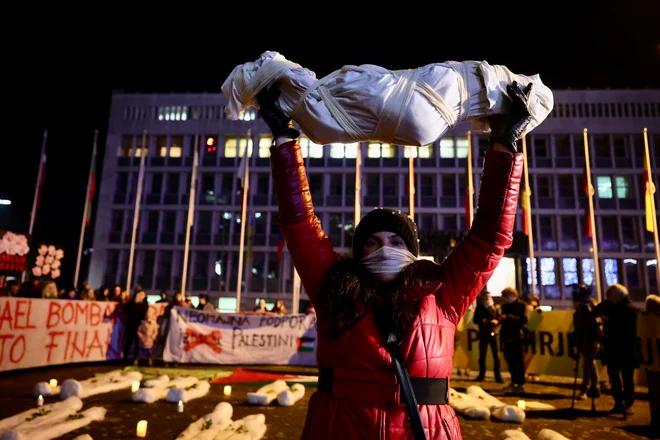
62,72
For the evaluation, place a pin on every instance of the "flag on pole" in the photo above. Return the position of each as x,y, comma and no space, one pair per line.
91,190
588,227
526,210
649,190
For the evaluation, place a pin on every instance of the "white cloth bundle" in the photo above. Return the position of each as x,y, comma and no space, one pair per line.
289,397
72,403
498,409
191,392
513,434
99,385
57,428
219,419
44,389
468,406
370,103
549,434
267,393
159,392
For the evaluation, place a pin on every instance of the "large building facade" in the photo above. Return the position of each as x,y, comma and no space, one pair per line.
615,120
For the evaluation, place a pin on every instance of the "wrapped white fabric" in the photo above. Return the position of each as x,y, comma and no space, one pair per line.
371,103
289,397
212,422
191,392
538,406
498,409
267,393
84,437
73,403
549,434
99,385
513,434
468,406
160,392
58,428
252,427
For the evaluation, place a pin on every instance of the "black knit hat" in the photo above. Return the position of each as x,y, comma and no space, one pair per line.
390,220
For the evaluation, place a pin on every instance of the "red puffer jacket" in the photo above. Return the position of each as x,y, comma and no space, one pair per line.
365,402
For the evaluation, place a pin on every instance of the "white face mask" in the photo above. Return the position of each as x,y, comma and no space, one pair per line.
388,260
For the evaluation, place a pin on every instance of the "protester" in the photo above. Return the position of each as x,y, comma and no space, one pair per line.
279,307
204,303
620,345
136,310
261,308
485,316
586,337
652,305
512,338
385,294
147,333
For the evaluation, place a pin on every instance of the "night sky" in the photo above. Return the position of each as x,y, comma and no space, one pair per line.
62,71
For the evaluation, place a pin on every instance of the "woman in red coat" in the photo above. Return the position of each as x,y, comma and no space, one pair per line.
385,290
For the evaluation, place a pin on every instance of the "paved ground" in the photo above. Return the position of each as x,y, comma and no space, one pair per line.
286,423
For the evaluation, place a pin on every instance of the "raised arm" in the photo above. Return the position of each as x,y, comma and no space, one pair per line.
470,265
310,248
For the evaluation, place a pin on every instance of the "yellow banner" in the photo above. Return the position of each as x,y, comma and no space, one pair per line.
550,350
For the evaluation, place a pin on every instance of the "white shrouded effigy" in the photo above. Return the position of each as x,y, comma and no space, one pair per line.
411,107
218,425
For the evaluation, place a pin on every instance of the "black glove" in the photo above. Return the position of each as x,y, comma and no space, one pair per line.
278,123
507,129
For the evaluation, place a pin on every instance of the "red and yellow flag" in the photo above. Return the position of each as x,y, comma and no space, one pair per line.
649,190
525,198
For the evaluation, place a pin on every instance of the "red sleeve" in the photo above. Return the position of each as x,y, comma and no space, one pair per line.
467,269
311,250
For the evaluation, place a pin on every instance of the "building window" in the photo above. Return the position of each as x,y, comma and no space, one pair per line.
447,148
161,145
173,113
604,184
622,187
310,149
611,271
570,271
340,151
423,152
568,233
265,142
235,147
126,146
610,234
461,147
588,271
376,150
248,115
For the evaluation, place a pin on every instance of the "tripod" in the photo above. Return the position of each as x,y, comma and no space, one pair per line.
593,395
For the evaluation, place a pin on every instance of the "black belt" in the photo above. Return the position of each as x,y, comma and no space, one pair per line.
427,391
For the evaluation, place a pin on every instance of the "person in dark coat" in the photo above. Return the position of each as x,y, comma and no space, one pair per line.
620,345
485,316
136,312
586,337
514,321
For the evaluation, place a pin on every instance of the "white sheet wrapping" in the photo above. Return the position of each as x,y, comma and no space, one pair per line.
370,103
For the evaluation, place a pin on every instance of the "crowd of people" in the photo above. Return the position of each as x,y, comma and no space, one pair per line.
606,331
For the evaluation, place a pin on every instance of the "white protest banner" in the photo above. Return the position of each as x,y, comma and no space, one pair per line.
38,332
219,338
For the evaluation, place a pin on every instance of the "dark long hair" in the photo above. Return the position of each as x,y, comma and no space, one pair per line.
349,291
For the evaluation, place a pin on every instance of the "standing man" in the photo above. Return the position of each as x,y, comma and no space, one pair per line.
485,316
514,321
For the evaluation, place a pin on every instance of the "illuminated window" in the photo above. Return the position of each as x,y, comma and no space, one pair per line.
175,151
173,113
570,271
376,150
604,184
588,271
310,149
235,147
248,115
447,148
339,151
611,271
461,147
264,146
211,144
424,152
622,188
162,152
548,274
138,151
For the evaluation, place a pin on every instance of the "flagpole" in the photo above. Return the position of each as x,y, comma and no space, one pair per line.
411,183
241,247
358,186
191,215
296,292
33,214
136,211
528,218
592,217
470,181
651,198
84,220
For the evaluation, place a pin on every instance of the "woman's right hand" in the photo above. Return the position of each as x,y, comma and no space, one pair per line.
279,124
